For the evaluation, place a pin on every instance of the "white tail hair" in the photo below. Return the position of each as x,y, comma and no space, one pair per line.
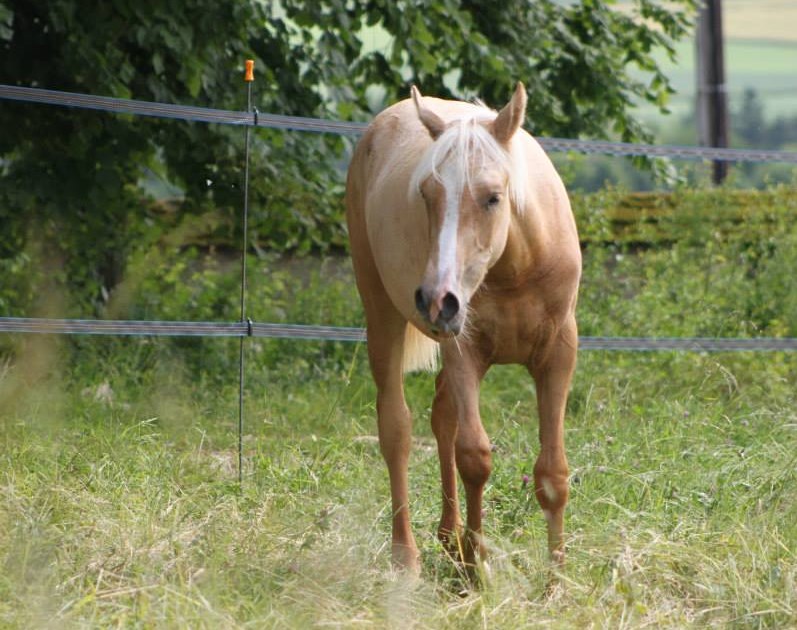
420,352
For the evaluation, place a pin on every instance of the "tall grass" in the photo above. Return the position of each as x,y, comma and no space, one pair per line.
120,504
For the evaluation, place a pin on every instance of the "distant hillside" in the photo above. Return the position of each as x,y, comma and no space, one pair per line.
760,53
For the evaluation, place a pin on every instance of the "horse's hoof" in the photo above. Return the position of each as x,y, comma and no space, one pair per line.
452,542
554,589
481,574
555,586
406,560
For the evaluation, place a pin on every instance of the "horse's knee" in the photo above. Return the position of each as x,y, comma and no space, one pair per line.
474,462
551,487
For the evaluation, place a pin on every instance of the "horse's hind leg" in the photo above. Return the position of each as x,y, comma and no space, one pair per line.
552,378
444,425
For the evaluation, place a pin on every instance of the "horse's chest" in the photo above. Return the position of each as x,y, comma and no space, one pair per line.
509,327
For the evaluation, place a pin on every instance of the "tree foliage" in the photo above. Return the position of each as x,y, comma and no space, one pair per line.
73,179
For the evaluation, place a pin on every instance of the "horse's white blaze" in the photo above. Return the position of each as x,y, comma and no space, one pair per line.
447,247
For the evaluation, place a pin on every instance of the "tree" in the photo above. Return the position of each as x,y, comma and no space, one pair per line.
577,59
74,178
749,123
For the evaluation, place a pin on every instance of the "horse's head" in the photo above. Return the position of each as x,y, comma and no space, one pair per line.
466,181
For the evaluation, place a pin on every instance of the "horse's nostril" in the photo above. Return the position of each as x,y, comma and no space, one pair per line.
420,302
450,307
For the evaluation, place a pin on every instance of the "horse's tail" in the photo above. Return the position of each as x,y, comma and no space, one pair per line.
420,352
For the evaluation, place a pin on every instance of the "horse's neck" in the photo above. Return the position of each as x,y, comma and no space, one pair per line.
526,248
543,230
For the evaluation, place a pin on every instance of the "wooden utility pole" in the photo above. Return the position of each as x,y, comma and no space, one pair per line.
712,94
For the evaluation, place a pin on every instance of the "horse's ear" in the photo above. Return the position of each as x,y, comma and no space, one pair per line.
430,120
511,117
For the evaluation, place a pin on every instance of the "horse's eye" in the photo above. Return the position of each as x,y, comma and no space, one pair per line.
493,200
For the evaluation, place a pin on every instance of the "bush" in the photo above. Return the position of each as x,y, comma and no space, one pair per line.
694,263
690,263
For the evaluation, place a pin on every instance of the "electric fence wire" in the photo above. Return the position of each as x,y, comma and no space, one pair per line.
353,334
247,328
319,125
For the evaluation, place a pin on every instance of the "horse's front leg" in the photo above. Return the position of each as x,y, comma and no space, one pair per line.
385,349
462,377
552,376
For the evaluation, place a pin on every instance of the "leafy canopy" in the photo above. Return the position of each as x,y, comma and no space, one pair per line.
73,179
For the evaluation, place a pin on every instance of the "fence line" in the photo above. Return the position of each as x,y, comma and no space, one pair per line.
299,123
353,334
334,333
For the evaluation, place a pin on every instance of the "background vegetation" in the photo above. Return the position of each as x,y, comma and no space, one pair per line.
78,183
760,49
120,504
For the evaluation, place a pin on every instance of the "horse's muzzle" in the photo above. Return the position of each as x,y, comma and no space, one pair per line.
443,313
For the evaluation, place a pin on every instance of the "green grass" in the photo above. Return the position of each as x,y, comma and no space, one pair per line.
126,511
119,502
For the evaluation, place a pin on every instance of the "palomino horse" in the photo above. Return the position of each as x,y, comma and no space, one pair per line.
463,244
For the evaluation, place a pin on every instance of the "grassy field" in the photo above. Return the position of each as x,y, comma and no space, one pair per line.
760,19
119,502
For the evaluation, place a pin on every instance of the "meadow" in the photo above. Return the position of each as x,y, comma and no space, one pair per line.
120,506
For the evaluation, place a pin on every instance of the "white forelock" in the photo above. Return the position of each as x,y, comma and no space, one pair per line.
471,147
